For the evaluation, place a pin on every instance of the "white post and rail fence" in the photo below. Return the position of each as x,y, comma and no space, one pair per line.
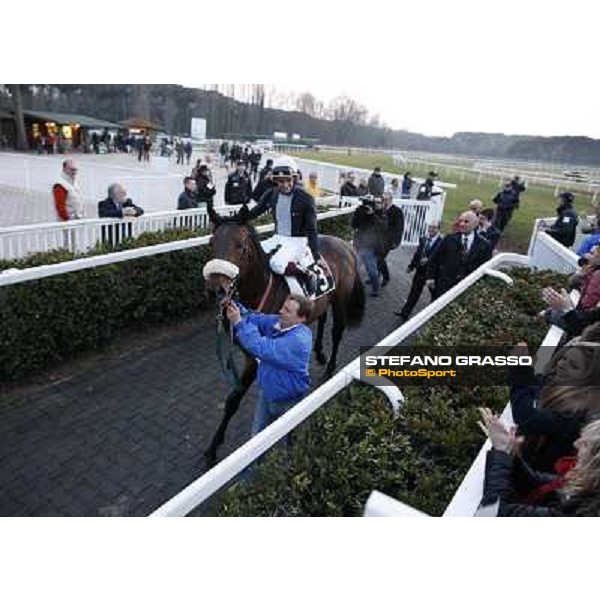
80,236
544,253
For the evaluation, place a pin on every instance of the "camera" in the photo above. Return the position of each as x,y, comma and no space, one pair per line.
368,200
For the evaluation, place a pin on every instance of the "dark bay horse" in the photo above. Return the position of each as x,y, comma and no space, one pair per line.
258,288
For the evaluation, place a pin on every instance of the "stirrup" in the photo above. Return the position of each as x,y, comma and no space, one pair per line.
310,283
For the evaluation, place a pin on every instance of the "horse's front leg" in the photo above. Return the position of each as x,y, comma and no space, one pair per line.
231,407
321,356
339,324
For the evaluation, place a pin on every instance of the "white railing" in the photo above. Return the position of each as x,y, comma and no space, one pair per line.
215,479
81,235
12,276
329,175
84,234
546,253
381,505
484,168
417,214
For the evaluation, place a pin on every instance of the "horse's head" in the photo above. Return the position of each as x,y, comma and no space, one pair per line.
236,251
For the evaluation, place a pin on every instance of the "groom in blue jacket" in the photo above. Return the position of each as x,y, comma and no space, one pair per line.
282,344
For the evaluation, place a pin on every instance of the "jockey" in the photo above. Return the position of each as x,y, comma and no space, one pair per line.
295,219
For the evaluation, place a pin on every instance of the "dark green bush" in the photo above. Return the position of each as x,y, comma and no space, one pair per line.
353,446
51,319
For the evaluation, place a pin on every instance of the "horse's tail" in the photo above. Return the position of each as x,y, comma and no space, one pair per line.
358,300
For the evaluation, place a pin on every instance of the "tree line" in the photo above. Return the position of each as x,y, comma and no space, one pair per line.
256,110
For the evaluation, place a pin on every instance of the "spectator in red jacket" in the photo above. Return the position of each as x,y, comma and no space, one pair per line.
590,287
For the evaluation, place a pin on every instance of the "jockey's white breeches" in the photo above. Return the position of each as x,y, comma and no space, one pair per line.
293,249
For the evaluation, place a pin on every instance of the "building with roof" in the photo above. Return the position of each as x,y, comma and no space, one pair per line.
138,125
72,129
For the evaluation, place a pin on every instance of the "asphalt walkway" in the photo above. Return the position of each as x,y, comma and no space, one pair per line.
125,432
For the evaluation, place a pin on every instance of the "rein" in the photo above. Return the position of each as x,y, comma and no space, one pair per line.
225,355
263,300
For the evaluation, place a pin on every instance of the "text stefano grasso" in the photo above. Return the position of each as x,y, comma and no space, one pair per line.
448,361
439,366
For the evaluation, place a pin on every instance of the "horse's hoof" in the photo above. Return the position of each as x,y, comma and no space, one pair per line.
321,358
329,371
210,459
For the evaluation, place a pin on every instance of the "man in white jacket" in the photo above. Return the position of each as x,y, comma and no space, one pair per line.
68,199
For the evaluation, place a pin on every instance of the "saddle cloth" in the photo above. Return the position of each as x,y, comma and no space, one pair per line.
325,281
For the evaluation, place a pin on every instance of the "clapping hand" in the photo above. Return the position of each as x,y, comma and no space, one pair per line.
557,300
503,439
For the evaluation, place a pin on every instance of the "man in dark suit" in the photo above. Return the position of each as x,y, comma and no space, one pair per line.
564,229
459,255
428,245
507,201
238,189
349,187
117,206
487,229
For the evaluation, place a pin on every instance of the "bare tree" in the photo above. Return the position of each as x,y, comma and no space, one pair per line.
141,101
169,113
15,91
346,114
307,104
375,121
344,108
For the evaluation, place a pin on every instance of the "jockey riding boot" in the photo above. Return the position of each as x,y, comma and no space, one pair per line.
308,279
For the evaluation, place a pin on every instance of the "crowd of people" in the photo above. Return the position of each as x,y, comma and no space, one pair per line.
439,262
244,184
375,185
549,463
235,153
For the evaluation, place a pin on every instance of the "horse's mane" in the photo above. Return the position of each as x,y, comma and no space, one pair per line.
252,236
255,239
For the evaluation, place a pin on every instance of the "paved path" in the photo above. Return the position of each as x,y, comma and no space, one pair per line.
26,181
122,436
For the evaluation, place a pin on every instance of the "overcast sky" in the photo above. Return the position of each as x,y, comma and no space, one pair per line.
524,105
440,67
429,66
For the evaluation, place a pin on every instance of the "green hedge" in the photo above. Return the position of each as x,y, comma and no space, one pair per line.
353,446
52,319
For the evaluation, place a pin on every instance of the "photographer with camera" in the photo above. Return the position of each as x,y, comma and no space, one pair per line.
368,241
393,229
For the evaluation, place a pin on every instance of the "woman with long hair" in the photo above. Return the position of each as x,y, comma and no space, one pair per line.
573,492
552,412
